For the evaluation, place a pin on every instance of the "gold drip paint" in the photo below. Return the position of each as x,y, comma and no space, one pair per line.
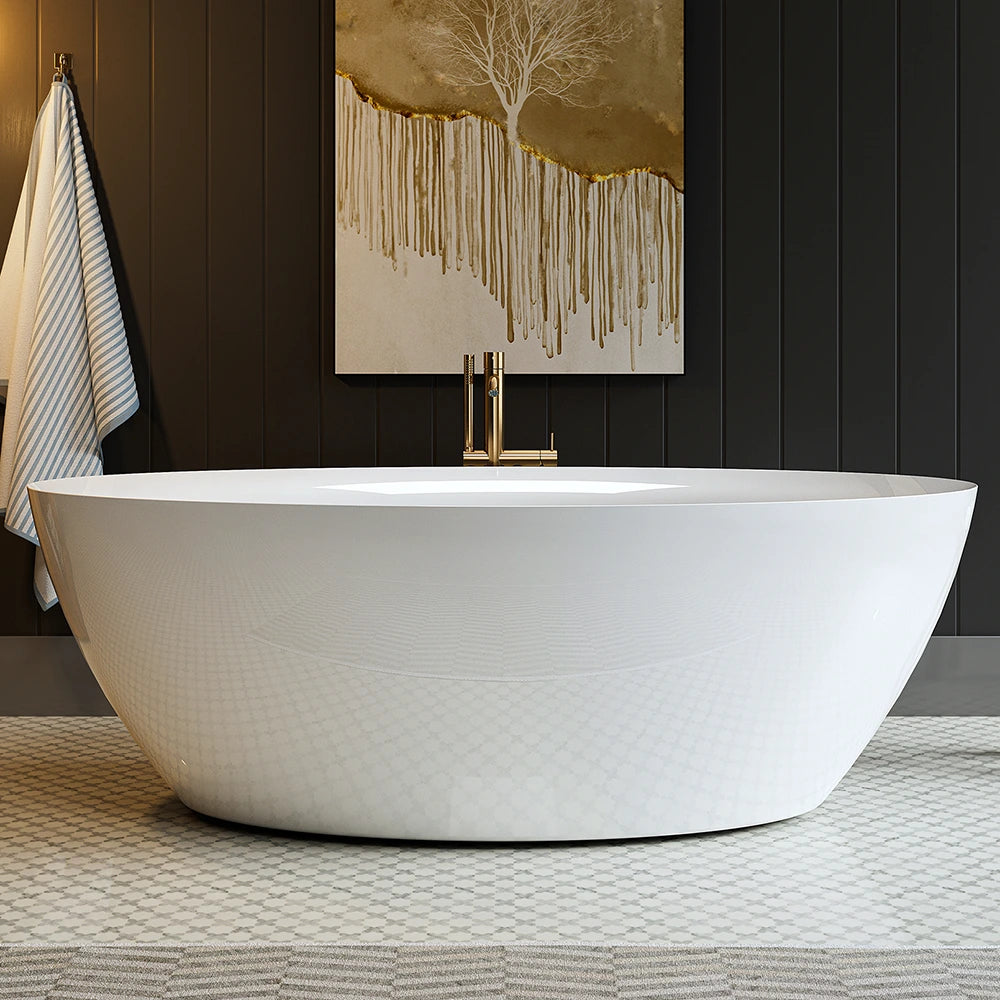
541,239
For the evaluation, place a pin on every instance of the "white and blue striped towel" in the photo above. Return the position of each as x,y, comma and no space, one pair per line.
62,340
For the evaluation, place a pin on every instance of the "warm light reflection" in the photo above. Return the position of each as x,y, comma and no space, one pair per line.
577,486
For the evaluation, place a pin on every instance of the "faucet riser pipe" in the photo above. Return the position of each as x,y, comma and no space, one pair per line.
493,367
468,379
494,454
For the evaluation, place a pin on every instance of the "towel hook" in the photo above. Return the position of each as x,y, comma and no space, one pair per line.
62,63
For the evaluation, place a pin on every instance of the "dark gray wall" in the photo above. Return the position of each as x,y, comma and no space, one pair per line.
843,238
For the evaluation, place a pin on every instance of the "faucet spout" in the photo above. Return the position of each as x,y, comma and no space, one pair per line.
494,453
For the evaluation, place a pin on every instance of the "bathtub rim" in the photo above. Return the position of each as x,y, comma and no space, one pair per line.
100,488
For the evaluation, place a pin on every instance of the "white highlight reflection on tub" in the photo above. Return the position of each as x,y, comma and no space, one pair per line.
578,486
502,665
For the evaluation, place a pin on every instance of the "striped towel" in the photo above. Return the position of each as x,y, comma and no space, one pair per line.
62,341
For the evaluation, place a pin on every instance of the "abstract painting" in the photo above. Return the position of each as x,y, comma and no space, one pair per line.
509,176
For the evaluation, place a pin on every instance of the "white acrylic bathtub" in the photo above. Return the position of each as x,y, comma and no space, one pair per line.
522,654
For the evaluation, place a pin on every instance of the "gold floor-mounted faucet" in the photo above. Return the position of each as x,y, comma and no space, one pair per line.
495,453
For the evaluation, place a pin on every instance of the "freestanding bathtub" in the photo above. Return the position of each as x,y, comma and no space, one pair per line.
522,654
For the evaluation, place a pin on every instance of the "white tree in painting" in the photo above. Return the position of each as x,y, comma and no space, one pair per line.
526,47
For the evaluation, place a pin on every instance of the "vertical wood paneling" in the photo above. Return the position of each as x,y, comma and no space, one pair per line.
578,411
18,82
291,233
179,233
448,428
350,418
235,234
635,420
694,399
868,235
18,86
68,26
810,209
752,186
525,411
406,420
121,135
927,276
19,609
979,304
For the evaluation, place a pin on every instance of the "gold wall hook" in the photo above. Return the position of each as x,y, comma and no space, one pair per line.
62,63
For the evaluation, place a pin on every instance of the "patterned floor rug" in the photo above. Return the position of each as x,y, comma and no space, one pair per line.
111,889
95,849
423,972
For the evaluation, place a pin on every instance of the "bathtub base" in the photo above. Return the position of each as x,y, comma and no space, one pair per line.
596,786
501,833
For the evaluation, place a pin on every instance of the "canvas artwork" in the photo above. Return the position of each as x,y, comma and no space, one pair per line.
510,176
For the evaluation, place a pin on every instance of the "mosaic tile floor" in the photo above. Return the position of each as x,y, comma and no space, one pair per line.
905,853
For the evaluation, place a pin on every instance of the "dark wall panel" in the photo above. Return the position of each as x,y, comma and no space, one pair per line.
810,290
840,238
448,432
350,417
19,89
120,130
235,234
405,421
179,234
292,233
695,406
752,248
979,306
578,417
927,275
868,161
636,430
68,26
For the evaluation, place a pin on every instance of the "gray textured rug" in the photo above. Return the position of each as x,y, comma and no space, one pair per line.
518,972
95,849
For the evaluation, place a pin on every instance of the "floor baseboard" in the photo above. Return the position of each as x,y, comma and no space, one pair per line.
957,675
47,675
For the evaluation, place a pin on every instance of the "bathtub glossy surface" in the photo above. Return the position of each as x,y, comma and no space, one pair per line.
522,654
